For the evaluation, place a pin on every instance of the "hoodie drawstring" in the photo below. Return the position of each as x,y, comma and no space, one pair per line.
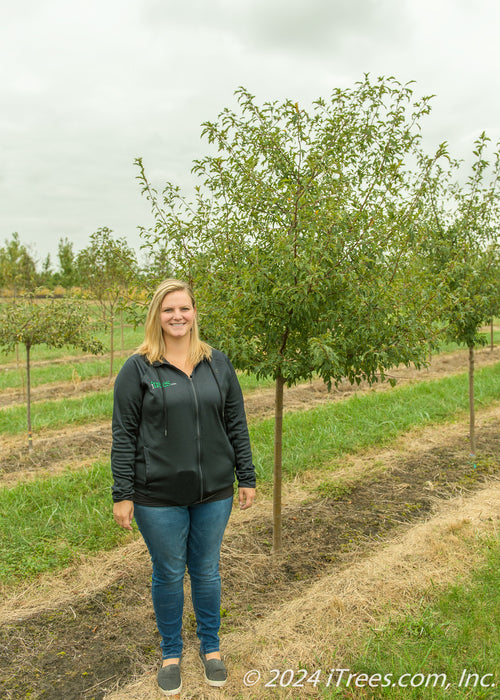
165,408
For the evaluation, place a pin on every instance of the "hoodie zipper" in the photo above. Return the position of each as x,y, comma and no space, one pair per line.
198,435
197,415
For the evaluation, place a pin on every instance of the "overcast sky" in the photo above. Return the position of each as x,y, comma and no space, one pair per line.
89,85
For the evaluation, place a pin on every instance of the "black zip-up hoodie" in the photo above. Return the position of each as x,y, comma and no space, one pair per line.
177,440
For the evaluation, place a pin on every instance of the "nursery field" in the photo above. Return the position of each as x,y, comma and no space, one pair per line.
390,553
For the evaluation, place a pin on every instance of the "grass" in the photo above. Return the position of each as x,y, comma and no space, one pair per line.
39,530
249,382
449,648
311,436
48,523
77,368
94,406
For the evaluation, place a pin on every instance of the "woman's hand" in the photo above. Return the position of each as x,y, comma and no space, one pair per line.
123,512
246,497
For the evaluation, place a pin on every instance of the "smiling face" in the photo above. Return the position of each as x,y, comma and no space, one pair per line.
177,315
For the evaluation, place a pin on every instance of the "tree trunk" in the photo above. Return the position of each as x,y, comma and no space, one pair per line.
111,345
278,452
472,419
122,333
492,339
28,397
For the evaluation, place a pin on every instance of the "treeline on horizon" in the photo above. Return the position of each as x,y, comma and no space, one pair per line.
21,272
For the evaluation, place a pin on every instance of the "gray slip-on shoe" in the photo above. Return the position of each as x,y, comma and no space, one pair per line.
215,671
169,679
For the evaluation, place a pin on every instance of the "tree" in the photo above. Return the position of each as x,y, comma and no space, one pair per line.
17,267
54,322
299,238
463,252
157,267
67,276
104,267
46,275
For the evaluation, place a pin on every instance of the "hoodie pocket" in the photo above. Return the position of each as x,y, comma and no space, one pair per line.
179,485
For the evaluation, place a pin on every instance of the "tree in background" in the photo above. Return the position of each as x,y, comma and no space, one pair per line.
299,239
67,276
462,254
17,267
54,322
104,268
495,296
46,275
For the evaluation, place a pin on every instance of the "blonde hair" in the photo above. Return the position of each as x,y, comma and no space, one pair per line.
153,345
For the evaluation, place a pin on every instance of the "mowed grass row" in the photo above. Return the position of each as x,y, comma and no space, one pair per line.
450,647
84,369
316,436
49,522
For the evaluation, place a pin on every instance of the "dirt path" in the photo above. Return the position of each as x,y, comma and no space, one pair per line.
83,632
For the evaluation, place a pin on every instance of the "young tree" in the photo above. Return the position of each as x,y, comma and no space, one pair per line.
462,254
299,238
54,322
104,268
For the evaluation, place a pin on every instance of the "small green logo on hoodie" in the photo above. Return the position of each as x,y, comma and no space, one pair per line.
159,385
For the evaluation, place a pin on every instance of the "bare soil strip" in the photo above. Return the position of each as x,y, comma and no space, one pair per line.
85,632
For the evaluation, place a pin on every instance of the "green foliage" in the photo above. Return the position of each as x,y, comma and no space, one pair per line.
17,267
462,249
104,269
53,322
67,276
296,241
299,241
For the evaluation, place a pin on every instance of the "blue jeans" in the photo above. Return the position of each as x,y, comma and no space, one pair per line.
176,537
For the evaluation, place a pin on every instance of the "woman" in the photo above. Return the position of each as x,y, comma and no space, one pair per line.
179,438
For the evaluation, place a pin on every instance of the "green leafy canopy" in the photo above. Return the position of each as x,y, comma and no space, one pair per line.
53,322
299,238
